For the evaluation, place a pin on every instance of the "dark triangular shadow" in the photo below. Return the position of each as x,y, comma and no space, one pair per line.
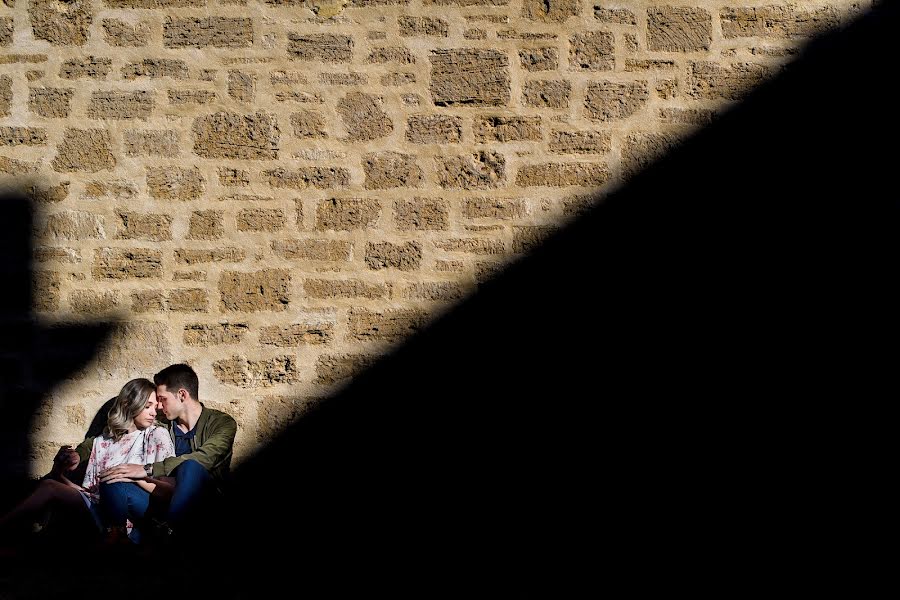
637,402
638,394
34,357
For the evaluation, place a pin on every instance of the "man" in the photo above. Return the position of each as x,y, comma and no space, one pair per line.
203,439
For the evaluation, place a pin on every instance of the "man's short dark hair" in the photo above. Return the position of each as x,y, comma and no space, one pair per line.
175,377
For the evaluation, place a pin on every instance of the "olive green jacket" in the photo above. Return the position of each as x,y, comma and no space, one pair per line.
211,446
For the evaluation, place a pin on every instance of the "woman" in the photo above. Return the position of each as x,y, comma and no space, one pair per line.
131,436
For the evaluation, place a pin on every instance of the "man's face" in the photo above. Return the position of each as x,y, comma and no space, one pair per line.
170,404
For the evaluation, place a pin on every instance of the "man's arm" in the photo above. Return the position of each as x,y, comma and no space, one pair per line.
210,454
68,459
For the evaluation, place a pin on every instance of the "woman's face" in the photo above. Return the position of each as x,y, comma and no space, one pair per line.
147,417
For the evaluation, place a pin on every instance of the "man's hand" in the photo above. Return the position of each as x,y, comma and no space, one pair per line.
65,460
130,473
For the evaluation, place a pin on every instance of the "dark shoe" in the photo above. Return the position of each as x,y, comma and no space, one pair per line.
157,532
116,537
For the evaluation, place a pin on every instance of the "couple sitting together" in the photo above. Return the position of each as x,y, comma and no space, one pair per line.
142,476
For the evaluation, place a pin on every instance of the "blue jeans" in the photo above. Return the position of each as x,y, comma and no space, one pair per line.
120,501
191,486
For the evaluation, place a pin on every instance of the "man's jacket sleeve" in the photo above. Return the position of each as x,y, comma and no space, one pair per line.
215,450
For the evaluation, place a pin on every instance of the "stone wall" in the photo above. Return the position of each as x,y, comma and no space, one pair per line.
276,192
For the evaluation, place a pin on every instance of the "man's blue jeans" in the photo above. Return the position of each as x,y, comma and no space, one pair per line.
191,484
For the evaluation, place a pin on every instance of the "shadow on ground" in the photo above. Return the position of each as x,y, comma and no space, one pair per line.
645,401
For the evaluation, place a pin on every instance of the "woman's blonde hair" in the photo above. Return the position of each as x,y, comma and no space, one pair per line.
129,403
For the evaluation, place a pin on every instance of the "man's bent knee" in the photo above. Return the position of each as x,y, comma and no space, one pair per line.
190,468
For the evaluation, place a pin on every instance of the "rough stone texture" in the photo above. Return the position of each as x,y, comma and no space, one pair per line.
136,347
539,59
45,286
547,94
126,263
308,124
260,219
322,178
188,300
22,136
227,254
580,142
120,33
154,68
144,226
434,291
52,103
87,150
333,368
480,170
592,51
621,16
777,21
154,3
241,85
231,177
232,135
385,255
471,245
121,105
641,149
200,334
199,32
93,301
347,214
61,22
49,195
434,129
552,11
7,26
609,101
249,374
11,166
320,47
90,67
419,26
175,183
711,81
326,289
275,414
179,97
6,95
528,238
364,117
469,77
391,170
267,290
76,415
493,208
390,325
74,225
391,54
507,129
422,214
327,250
206,225
562,174
151,143
679,29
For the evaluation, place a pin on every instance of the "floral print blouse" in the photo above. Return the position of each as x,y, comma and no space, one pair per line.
139,447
